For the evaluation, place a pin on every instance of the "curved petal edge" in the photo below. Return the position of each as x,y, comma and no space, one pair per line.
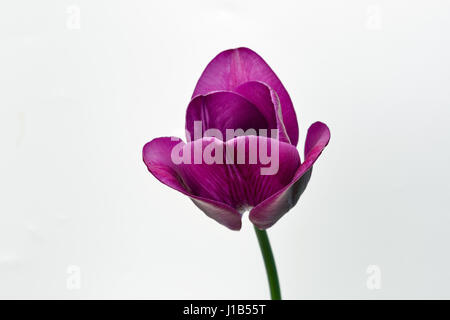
233,67
157,157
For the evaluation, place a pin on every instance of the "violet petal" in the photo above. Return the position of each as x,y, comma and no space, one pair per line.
231,68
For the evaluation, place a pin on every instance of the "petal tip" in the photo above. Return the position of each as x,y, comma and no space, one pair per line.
317,137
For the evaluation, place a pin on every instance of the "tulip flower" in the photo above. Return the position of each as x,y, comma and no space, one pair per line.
240,154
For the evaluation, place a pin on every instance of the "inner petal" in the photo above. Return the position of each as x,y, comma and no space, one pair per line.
224,110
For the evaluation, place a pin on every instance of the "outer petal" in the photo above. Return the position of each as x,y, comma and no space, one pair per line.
273,208
231,68
241,175
157,157
225,110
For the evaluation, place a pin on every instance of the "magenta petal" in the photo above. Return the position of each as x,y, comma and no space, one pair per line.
157,157
231,68
251,185
224,110
267,101
273,208
237,179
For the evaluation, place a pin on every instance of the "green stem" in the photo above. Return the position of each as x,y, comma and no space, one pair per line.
269,262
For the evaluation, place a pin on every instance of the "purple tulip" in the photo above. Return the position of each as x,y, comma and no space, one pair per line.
238,90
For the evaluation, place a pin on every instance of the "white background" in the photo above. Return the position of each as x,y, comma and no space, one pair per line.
77,105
